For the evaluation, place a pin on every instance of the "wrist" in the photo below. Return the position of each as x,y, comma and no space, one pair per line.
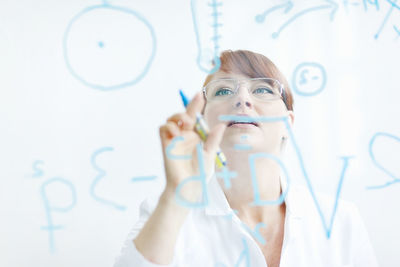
168,204
190,192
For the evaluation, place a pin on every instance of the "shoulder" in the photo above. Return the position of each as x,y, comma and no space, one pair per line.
304,200
333,227
322,208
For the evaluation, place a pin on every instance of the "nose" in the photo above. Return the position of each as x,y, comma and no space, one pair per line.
243,98
246,103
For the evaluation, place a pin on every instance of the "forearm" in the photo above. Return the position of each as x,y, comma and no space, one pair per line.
156,241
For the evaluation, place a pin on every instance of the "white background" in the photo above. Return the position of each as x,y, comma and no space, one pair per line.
50,118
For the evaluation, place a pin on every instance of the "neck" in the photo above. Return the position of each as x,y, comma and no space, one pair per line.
241,194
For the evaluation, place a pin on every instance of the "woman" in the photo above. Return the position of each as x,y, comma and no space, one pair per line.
231,228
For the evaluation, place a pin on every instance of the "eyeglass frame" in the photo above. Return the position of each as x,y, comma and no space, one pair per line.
282,87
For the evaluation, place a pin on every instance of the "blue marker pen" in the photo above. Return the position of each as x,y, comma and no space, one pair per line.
202,129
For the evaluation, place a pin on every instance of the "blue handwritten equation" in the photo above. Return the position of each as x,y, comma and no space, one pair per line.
331,7
226,175
51,184
55,183
252,157
244,257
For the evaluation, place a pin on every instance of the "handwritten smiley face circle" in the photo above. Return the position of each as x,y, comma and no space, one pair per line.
309,79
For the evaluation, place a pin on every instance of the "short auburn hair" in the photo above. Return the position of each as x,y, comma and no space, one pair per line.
253,65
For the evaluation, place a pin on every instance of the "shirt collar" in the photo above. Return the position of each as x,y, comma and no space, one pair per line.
218,204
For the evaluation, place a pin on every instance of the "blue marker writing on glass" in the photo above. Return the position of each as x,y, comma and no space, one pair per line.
202,129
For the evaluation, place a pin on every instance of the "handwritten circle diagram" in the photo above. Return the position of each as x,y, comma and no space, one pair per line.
309,79
108,47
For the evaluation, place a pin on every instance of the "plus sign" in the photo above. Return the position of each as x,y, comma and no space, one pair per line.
226,175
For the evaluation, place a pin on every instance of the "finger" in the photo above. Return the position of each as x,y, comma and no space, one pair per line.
164,135
168,131
196,105
183,120
214,138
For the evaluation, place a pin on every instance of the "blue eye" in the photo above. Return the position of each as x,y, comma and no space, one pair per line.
263,90
223,92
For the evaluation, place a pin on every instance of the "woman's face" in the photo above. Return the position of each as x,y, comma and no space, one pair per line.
265,136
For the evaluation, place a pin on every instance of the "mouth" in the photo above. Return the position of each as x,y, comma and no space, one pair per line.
242,123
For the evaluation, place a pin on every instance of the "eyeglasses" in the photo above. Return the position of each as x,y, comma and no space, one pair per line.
264,89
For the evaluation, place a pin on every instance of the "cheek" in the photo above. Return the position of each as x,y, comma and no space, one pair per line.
274,131
276,109
211,114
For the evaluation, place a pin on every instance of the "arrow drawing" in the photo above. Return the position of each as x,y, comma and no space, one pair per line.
286,6
331,5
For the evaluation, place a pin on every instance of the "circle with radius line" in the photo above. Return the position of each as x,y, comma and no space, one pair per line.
309,79
108,47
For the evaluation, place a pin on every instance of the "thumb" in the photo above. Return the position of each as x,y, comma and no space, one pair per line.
214,138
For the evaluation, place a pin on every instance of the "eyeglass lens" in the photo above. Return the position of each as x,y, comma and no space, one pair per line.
263,89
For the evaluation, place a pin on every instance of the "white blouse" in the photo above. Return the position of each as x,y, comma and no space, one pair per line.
214,236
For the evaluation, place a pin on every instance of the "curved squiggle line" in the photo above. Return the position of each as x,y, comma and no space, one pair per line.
378,165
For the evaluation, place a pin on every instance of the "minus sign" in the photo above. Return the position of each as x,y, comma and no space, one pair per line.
242,147
143,178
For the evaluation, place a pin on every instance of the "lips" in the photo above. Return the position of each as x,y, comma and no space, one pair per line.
244,122
238,122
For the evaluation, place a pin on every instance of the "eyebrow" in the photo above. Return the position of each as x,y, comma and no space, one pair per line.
227,78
